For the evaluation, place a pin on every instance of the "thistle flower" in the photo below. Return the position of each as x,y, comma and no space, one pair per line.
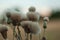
3,30
31,27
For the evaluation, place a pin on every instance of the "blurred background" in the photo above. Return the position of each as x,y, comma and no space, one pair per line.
53,27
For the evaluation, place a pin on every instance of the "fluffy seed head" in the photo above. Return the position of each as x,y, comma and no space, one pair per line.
31,27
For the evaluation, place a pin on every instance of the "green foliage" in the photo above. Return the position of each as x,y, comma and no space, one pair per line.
55,14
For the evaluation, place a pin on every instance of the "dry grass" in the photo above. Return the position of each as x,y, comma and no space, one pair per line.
52,32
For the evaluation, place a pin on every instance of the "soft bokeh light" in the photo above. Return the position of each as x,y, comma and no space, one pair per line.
45,11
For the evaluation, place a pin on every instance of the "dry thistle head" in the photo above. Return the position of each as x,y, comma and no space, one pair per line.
32,9
30,27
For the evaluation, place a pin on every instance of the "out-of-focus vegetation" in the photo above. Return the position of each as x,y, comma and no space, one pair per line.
56,14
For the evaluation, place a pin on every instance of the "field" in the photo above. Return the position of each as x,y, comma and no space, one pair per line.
52,31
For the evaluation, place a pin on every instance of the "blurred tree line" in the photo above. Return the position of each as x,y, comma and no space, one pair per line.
55,14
